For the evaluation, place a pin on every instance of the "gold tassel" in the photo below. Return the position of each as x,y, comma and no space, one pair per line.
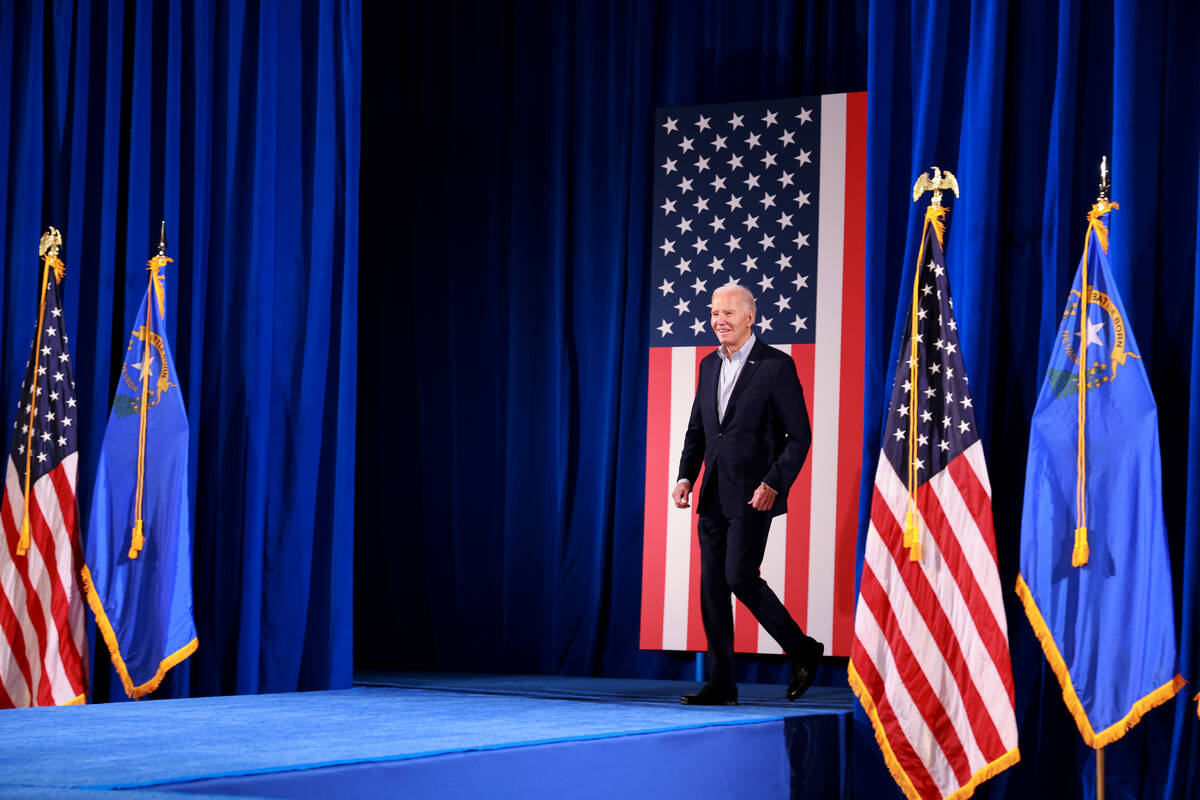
135,546
914,552
1079,556
23,542
912,536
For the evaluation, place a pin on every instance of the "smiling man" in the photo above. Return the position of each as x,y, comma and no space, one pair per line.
749,428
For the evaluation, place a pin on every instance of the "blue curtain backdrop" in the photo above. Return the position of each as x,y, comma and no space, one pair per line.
237,123
506,200
506,181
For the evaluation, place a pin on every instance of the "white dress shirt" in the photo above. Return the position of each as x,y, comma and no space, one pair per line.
731,367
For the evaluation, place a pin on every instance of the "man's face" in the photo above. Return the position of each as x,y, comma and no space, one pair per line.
730,319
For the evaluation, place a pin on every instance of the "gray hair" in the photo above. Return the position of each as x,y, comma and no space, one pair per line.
747,295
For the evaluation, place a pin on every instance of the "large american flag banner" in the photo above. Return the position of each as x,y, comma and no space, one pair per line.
930,662
768,194
43,652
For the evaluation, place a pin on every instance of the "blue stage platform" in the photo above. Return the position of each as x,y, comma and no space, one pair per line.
445,736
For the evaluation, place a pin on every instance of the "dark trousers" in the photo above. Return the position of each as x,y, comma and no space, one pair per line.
731,551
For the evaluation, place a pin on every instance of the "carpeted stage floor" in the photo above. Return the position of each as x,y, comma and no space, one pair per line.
418,735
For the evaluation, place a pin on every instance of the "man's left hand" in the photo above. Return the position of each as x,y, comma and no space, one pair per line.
763,499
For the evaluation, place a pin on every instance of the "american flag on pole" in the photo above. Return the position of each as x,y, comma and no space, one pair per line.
930,662
771,195
43,652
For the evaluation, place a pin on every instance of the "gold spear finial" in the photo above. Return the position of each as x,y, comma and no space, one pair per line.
939,181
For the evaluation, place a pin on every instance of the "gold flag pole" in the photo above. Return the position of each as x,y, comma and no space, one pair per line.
48,250
154,292
1080,554
935,215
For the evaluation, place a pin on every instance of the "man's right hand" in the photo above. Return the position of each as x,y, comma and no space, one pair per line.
682,493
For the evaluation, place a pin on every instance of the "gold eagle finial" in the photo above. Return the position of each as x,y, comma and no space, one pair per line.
51,240
940,181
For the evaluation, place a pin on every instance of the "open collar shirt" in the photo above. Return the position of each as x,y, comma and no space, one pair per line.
731,367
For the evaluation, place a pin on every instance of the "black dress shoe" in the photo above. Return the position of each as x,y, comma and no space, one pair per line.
712,694
804,670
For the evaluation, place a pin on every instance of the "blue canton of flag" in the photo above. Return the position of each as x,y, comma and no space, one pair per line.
143,599
945,422
1107,626
735,190
55,434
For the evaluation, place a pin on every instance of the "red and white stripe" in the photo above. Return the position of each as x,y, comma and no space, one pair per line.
930,637
43,651
809,560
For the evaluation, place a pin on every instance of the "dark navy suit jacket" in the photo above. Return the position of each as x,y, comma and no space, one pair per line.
763,438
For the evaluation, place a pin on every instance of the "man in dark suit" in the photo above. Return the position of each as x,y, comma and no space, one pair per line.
750,429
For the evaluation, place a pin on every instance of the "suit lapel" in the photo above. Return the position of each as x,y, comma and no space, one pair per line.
709,392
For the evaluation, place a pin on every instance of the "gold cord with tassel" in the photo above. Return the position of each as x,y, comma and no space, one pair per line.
154,292
935,216
50,260
1080,552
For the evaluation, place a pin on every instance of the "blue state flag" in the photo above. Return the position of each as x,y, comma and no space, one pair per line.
138,577
1095,574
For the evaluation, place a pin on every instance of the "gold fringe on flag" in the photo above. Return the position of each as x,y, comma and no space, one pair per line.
109,634
894,766
1093,738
